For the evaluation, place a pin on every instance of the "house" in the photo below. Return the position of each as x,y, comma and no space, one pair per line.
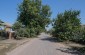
8,29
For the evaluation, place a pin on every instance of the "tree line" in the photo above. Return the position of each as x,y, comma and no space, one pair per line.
33,17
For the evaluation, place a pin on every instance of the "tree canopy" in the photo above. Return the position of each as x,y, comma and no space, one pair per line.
34,15
67,24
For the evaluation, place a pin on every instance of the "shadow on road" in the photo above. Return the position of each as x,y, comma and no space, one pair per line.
51,39
71,50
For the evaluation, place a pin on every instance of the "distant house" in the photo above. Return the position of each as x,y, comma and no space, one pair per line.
7,28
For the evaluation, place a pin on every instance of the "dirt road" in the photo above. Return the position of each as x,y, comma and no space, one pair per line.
43,45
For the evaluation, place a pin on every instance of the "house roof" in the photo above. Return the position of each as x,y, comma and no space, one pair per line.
7,24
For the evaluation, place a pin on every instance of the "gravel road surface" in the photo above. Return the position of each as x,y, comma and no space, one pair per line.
43,45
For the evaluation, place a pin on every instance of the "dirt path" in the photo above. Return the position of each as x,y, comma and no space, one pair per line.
41,46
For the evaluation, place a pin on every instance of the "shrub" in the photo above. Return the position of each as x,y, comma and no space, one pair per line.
20,30
82,39
22,33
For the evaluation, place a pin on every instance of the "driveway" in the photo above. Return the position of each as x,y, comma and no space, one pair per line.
43,45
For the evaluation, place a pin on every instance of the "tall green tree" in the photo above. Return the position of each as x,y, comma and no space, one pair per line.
34,15
67,25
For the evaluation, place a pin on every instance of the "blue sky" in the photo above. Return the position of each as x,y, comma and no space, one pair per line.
8,8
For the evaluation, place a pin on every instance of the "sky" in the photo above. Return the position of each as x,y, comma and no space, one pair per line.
9,8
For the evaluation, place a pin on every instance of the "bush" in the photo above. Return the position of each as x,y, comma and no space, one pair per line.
22,33
20,30
82,34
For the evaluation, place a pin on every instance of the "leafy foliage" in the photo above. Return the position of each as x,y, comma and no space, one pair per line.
67,25
20,30
17,25
81,33
34,16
